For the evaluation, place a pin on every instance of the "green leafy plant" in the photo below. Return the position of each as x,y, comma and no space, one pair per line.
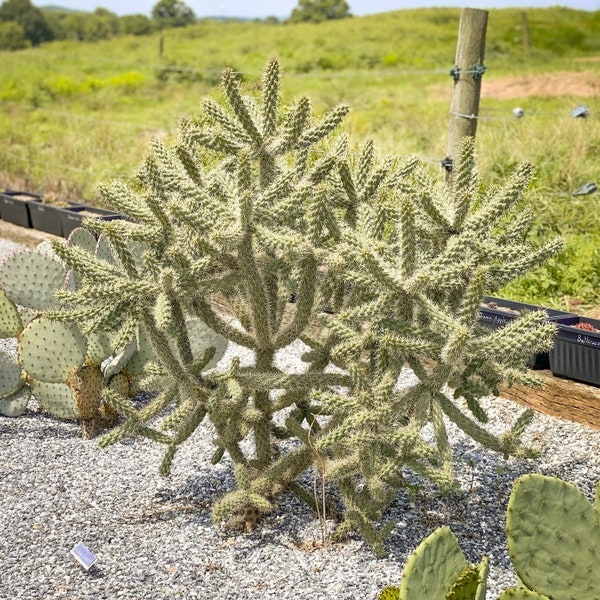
255,203
541,510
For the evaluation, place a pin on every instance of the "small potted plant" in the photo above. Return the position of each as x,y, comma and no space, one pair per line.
497,312
15,206
576,354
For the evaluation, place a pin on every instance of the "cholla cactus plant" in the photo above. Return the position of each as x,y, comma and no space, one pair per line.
255,203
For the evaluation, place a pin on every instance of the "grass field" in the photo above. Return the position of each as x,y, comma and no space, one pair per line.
74,114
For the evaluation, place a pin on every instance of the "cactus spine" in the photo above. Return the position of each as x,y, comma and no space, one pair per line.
257,202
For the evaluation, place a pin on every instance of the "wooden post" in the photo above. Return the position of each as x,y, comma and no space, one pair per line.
467,72
161,46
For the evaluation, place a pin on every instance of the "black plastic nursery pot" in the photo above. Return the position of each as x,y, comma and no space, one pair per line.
15,207
576,354
74,216
497,312
47,217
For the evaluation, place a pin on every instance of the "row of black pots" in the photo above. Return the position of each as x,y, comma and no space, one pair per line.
28,210
576,352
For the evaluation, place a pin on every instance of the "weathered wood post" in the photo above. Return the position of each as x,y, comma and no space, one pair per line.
467,72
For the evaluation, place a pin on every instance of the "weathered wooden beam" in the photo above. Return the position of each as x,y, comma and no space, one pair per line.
559,397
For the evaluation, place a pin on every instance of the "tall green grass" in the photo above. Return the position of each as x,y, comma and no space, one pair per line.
73,114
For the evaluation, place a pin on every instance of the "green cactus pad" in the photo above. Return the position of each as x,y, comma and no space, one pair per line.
15,405
83,239
86,384
118,362
30,279
143,354
10,320
201,337
50,351
554,538
433,567
55,398
390,593
121,384
521,594
103,250
11,375
99,348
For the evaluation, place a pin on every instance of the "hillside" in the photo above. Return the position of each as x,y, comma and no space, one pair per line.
74,114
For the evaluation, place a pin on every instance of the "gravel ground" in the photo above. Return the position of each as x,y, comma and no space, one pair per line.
154,538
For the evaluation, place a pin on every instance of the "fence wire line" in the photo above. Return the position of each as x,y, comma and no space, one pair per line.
114,175
67,115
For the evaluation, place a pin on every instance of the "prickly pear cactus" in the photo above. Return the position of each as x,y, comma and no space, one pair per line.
55,362
14,396
438,570
50,351
554,538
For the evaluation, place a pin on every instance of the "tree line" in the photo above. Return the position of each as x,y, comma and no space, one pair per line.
22,24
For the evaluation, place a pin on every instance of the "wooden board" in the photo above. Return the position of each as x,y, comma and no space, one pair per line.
559,397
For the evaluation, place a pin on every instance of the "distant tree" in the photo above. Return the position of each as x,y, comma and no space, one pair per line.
172,13
30,18
73,25
316,11
12,36
99,25
135,25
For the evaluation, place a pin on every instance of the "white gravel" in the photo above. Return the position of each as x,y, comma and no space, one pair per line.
154,537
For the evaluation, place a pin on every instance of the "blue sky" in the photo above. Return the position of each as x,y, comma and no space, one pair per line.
282,8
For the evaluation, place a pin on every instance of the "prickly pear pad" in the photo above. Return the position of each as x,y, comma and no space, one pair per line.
554,538
30,279
15,405
56,398
86,384
10,375
50,351
10,321
433,567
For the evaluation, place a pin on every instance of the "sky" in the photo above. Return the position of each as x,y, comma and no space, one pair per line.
283,8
